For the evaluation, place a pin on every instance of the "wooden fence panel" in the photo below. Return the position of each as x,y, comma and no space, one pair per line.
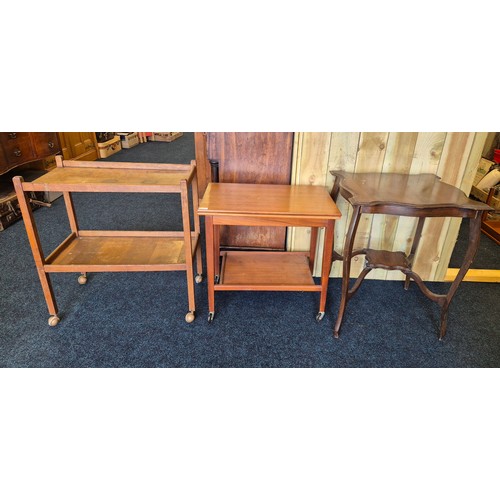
452,156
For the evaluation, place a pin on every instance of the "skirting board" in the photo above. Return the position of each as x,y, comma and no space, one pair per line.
479,275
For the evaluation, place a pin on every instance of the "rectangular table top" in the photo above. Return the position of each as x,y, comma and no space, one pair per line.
109,179
268,200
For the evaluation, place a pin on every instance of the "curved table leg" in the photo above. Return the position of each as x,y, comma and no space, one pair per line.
349,242
413,251
474,236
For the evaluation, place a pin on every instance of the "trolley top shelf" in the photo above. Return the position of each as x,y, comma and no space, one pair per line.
113,177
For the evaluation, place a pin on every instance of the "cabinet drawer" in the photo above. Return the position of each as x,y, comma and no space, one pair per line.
45,144
17,147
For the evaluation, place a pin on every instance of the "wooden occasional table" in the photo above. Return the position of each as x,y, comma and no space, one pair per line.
421,196
86,251
230,204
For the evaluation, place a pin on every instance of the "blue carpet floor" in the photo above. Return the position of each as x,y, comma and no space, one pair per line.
137,319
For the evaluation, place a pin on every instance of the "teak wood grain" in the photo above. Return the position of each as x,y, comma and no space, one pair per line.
111,179
265,271
261,200
103,251
262,204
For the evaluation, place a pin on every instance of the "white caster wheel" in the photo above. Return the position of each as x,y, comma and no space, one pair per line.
190,317
82,279
198,278
53,320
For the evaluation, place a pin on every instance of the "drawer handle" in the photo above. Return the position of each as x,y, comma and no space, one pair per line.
12,135
17,152
51,144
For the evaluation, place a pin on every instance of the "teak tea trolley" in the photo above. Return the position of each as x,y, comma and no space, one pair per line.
85,251
228,204
420,196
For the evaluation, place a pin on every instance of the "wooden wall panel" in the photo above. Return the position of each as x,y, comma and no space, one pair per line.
252,157
398,158
311,150
451,169
370,157
452,156
426,157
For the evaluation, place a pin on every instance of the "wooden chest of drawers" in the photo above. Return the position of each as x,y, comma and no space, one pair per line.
17,148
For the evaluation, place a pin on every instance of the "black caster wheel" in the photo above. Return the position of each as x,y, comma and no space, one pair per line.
320,316
211,317
217,280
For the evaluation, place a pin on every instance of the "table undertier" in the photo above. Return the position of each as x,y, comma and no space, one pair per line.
281,271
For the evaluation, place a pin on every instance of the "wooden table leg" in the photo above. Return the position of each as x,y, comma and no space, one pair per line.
188,251
36,248
312,247
216,233
474,237
197,227
209,235
326,266
416,241
349,242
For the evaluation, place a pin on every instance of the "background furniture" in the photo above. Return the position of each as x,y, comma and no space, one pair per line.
104,251
18,148
418,196
247,157
255,205
78,145
22,150
491,226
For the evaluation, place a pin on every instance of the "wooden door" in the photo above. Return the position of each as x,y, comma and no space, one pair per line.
257,158
78,145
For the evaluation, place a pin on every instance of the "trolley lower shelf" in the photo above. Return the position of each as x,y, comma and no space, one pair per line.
94,251
275,271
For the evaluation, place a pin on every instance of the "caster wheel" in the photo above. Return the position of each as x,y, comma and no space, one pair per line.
82,279
190,317
198,278
217,280
320,316
211,317
53,320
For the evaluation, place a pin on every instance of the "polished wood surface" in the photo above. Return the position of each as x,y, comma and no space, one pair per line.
265,271
268,200
256,205
18,148
419,196
104,251
252,157
402,190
